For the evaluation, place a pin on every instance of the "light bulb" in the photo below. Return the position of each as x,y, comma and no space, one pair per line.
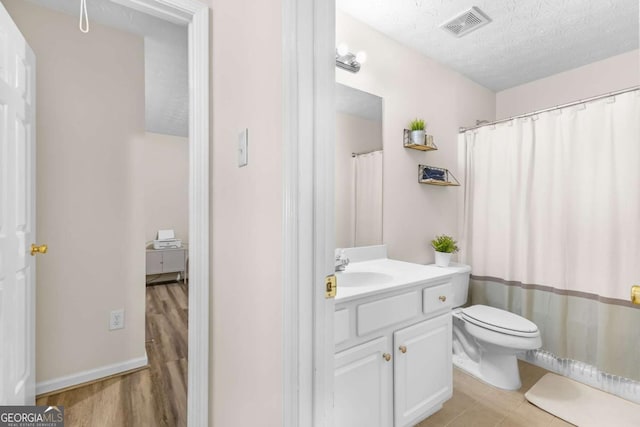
343,49
361,57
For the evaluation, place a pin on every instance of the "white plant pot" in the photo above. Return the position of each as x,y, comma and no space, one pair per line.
417,137
443,259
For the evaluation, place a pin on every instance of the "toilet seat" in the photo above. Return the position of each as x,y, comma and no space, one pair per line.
500,321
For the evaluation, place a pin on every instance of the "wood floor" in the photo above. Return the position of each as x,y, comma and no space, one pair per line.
156,396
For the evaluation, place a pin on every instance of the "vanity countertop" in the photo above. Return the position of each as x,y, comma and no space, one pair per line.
376,276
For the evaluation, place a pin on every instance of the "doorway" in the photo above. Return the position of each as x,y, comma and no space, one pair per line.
195,16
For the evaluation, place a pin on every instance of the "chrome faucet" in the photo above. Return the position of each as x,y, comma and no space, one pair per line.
341,260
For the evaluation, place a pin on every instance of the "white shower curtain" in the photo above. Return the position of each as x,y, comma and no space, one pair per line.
367,199
551,226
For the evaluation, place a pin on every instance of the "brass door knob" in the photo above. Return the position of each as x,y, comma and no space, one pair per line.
386,356
442,298
38,249
403,349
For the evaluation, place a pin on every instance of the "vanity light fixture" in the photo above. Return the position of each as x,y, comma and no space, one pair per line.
347,60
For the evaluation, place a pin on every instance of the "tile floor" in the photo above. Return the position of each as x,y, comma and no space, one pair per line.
475,404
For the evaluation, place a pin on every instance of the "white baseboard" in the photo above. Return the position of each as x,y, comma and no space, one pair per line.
90,375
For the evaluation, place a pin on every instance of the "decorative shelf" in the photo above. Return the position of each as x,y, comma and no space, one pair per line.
428,145
448,180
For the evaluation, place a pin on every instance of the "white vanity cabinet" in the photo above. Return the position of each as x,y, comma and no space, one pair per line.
422,369
363,385
393,356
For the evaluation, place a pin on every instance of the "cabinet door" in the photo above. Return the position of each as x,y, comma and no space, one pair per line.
422,369
154,262
173,261
362,387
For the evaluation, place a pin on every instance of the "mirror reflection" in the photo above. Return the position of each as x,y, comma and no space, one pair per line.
358,168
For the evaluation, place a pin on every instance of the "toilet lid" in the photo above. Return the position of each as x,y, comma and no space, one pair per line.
499,320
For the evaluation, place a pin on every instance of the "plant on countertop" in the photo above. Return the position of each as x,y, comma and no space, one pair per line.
417,124
445,244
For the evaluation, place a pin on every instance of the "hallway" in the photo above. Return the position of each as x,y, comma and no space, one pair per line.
155,395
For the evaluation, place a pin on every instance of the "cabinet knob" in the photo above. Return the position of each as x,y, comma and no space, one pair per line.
442,298
386,356
403,349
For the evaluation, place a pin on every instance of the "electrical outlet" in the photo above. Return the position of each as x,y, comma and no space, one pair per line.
116,320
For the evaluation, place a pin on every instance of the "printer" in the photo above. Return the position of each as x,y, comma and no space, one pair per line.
167,240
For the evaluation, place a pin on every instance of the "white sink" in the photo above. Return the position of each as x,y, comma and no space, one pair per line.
370,272
362,278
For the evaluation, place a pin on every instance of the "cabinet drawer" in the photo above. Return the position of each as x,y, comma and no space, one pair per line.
341,326
437,298
380,314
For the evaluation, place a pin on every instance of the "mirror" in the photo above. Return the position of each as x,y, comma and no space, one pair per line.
358,168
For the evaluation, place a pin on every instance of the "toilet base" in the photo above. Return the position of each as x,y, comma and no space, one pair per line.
464,363
498,370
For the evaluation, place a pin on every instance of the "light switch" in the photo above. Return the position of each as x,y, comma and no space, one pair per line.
243,148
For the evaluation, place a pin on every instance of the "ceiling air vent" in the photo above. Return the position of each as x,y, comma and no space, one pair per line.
466,22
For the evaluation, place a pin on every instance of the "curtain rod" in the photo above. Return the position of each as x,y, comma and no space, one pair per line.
362,154
557,107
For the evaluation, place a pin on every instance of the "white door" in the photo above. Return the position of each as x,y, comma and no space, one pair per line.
362,385
422,369
17,216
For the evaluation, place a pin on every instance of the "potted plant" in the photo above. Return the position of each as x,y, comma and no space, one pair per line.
417,131
444,247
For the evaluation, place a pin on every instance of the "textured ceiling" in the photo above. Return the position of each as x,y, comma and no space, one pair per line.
166,61
527,40
358,103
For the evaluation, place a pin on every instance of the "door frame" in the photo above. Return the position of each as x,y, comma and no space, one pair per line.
308,32
194,14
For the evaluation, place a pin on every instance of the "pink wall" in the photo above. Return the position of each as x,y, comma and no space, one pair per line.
166,195
618,72
246,272
413,85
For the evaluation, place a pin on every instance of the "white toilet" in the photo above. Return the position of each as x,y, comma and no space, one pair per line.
487,339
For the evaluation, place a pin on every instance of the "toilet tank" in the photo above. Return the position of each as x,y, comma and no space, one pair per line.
460,283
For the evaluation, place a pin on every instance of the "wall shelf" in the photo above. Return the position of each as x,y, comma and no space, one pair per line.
428,145
432,175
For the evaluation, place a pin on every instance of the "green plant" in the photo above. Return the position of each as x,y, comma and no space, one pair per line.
417,124
445,244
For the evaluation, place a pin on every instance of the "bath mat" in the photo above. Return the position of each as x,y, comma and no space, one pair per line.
582,405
